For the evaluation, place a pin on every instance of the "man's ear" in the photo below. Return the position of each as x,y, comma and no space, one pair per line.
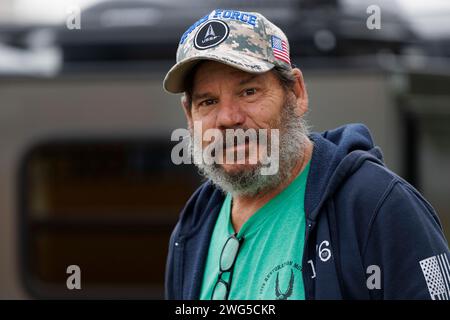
187,109
300,91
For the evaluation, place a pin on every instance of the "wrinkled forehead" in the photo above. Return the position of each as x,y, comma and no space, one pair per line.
207,68
208,73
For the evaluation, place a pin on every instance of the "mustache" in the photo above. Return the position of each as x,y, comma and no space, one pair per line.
238,137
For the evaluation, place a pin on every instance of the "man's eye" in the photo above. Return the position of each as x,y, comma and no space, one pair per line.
249,92
207,102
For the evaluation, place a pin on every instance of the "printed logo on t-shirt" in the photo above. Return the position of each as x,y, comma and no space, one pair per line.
279,282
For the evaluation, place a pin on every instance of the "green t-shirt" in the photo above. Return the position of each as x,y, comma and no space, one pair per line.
269,262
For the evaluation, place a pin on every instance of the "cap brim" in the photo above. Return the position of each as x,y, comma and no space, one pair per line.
175,79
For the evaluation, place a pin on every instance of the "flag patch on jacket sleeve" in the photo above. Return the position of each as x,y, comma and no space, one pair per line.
436,271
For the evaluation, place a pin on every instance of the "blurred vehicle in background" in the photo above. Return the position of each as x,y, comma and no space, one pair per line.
85,171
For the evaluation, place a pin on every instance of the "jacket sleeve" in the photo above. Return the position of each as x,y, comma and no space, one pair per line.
406,244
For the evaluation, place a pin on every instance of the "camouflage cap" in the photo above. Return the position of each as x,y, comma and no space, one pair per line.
243,40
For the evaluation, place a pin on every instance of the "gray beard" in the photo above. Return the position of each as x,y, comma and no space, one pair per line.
249,181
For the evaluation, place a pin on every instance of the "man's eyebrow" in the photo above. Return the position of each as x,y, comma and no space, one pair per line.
247,80
197,96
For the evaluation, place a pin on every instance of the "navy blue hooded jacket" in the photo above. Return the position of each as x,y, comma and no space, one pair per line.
369,234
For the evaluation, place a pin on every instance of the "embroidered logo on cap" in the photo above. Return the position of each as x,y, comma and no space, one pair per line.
211,34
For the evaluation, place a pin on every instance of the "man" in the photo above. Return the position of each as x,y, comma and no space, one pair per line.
332,223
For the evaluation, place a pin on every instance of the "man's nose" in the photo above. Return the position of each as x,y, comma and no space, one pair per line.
230,114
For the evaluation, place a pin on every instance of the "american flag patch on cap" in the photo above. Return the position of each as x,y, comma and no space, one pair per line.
280,49
436,271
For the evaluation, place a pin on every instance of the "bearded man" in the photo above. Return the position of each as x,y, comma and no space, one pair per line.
331,223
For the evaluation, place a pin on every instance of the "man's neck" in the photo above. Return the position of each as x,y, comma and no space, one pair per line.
244,207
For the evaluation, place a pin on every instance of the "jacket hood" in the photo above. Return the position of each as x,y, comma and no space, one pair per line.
337,154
